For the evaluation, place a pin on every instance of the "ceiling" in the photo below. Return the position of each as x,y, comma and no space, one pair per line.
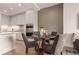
14,8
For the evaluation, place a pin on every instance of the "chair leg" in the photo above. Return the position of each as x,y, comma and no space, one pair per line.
26,50
35,48
61,53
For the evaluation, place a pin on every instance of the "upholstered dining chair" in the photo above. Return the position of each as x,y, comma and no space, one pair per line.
76,47
50,49
28,44
72,50
54,33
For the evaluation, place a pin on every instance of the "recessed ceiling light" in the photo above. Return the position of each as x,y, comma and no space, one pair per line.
11,8
5,10
19,4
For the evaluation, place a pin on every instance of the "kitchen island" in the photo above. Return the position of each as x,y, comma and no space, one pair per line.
7,42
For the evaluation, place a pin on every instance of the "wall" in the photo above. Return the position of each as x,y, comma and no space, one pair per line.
0,22
70,11
51,18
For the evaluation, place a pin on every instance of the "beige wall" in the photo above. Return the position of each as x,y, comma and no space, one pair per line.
71,11
51,18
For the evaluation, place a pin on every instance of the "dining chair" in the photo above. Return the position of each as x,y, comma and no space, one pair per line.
54,33
76,46
50,48
28,44
72,50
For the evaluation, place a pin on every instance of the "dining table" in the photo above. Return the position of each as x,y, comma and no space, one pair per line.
41,42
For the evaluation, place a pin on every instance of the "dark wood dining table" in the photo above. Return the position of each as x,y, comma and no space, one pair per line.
41,42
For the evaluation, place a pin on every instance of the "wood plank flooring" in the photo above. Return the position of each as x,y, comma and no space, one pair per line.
20,50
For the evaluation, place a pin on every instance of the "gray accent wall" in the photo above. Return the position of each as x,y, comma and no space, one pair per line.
51,18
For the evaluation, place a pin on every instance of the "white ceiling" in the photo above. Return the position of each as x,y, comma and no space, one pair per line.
13,8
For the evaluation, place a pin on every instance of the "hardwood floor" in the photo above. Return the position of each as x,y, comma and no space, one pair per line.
20,49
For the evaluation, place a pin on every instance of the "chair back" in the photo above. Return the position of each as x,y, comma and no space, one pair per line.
36,36
76,45
54,33
55,43
25,39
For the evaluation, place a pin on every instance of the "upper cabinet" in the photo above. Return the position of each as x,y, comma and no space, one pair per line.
18,19
5,20
28,17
